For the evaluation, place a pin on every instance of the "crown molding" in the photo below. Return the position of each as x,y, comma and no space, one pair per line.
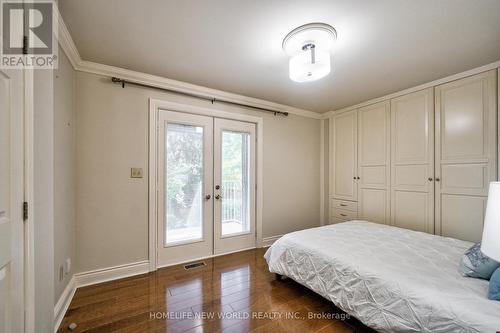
66,41
454,77
161,82
69,47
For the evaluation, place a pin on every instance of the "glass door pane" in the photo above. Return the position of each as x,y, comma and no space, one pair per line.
183,183
235,171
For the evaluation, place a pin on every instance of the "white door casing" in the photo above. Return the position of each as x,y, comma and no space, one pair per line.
11,201
412,161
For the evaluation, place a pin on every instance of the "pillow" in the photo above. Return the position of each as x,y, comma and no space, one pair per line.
475,264
494,289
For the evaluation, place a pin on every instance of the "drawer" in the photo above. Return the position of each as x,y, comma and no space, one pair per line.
344,205
345,215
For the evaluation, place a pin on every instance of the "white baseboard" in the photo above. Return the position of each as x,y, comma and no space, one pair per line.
268,241
93,277
62,304
111,273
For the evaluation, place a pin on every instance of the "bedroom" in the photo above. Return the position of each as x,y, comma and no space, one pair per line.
188,166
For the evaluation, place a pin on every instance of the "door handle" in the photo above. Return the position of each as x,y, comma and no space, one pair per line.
437,179
208,197
218,197
430,179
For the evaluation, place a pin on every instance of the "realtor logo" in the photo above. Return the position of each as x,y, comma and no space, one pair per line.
28,35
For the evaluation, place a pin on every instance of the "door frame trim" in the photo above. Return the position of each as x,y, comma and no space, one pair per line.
155,105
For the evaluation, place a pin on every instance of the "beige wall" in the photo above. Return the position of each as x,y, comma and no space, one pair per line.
43,201
112,137
65,170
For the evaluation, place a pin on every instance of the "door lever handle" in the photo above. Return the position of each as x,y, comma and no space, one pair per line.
218,197
208,197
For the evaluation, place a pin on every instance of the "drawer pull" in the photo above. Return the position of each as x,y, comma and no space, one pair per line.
343,215
343,205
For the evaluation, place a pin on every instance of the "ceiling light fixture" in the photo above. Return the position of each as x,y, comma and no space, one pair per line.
309,49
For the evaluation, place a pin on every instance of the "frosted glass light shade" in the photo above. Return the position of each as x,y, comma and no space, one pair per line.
302,69
490,245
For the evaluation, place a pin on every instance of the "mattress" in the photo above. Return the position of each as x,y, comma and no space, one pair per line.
391,279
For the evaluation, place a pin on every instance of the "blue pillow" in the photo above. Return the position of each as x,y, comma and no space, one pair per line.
475,264
494,289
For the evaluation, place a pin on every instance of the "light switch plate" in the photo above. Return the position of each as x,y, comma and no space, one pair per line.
135,172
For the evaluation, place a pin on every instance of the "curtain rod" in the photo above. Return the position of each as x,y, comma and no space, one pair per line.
210,99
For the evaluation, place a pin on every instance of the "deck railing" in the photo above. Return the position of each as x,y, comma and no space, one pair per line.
232,210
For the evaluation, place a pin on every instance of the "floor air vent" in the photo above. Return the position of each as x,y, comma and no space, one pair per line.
194,265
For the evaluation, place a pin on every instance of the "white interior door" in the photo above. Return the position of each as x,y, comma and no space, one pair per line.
185,175
234,179
11,199
412,161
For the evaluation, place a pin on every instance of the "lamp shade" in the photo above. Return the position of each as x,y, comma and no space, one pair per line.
490,245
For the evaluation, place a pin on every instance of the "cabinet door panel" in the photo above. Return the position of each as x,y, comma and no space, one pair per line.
372,205
373,176
462,216
465,153
344,152
373,162
412,161
411,209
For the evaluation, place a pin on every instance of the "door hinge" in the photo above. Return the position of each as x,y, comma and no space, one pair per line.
25,44
25,211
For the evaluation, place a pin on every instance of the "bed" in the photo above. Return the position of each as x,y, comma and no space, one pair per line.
391,279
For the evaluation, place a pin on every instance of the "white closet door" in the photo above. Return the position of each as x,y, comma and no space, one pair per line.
465,154
343,145
373,162
412,161
11,202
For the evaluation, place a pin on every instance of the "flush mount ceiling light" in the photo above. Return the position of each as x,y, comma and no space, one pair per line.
309,49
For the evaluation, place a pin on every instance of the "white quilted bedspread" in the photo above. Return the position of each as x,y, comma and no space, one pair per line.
392,279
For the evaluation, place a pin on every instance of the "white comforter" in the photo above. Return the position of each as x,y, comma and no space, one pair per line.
392,279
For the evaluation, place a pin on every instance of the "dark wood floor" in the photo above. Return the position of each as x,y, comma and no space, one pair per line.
235,293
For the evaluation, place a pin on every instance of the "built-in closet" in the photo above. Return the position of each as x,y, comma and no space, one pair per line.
421,161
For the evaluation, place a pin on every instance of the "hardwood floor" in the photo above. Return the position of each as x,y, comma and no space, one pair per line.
232,293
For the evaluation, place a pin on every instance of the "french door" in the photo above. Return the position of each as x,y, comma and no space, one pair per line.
206,187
